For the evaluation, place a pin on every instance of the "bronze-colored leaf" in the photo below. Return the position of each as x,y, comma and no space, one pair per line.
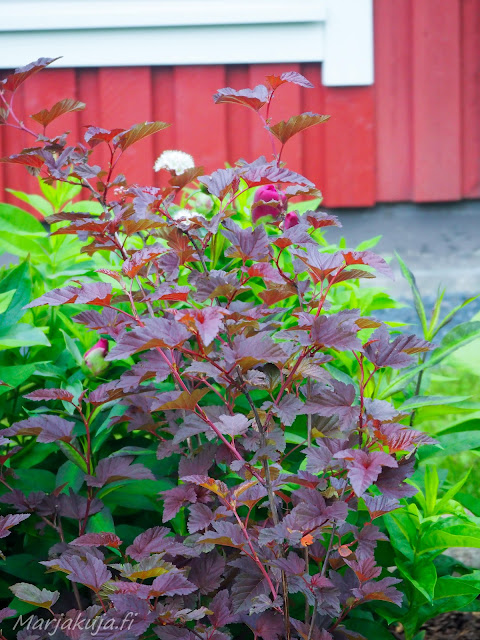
284,130
46,116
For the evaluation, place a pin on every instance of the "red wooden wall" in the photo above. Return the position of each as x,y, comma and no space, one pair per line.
413,136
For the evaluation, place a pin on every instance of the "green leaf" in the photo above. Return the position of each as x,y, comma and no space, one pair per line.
368,244
59,194
19,222
417,298
403,531
441,536
451,594
15,375
37,479
5,300
432,331
369,629
450,444
417,402
72,455
72,348
450,494
454,311
35,201
431,489
71,474
470,502
19,281
101,521
422,575
22,335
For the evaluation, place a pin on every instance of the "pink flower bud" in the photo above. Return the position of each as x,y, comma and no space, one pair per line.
291,220
275,202
94,358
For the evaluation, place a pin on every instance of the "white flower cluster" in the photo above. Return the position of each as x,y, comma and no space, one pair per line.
177,161
184,215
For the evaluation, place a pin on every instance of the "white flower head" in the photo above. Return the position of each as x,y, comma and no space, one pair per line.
184,215
177,161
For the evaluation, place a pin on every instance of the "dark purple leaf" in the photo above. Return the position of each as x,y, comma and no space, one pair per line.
99,293
338,331
200,518
252,98
262,172
118,468
380,590
207,321
169,632
173,583
140,258
396,354
364,468
336,401
248,584
368,258
247,352
268,625
220,182
289,76
109,321
247,244
50,394
91,572
206,572
379,505
174,499
157,332
391,481
288,409
7,522
76,507
154,540
47,428
104,539
222,610
14,80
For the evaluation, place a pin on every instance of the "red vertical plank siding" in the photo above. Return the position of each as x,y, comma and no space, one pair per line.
2,166
393,95
46,88
470,70
350,178
200,123
163,109
436,100
88,92
15,176
126,99
240,121
314,138
286,102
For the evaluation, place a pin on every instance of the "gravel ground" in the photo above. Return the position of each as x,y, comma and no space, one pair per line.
439,242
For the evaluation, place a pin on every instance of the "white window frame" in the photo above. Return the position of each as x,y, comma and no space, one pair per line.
100,33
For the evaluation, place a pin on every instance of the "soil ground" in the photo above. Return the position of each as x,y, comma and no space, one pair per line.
451,626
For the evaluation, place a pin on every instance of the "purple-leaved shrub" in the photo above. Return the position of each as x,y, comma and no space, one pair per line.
284,465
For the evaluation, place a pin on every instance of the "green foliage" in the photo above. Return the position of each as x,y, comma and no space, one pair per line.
420,536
